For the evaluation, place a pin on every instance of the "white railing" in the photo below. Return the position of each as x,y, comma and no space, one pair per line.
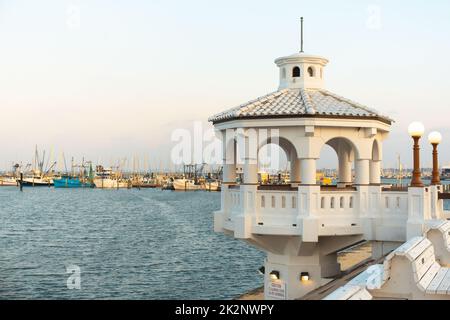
235,200
277,208
336,208
394,204
338,203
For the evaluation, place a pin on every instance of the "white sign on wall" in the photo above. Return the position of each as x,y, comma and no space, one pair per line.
276,290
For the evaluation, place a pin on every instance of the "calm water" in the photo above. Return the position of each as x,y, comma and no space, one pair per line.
129,244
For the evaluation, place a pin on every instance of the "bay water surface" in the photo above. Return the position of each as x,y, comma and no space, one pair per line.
127,244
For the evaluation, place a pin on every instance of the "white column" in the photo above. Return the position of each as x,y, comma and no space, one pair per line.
375,172
248,193
229,173
250,172
250,160
308,171
345,172
362,172
345,167
228,178
295,170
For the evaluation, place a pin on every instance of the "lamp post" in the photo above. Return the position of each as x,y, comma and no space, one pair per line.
435,139
416,130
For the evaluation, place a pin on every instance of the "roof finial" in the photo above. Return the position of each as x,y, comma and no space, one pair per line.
301,41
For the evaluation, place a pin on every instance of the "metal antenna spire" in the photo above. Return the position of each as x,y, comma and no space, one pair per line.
301,41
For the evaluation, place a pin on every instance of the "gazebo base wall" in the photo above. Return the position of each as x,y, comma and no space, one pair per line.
275,220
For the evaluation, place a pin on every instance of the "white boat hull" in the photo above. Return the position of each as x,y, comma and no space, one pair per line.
186,185
37,182
110,184
6,182
212,186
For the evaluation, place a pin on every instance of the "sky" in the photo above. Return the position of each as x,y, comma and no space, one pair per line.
109,79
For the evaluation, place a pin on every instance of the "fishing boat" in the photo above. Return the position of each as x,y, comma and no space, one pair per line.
37,180
212,185
40,175
82,180
187,185
167,184
72,182
8,181
108,179
146,182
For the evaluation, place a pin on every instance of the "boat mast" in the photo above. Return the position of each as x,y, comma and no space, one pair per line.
65,164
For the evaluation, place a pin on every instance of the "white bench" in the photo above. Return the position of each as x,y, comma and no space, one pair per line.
349,292
439,234
414,263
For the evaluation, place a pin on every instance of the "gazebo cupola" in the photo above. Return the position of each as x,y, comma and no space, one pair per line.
301,70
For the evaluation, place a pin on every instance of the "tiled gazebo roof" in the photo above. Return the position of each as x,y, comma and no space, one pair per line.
299,103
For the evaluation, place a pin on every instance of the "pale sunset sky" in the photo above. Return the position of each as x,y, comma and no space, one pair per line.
108,79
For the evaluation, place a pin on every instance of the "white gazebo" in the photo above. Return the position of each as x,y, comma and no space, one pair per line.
303,225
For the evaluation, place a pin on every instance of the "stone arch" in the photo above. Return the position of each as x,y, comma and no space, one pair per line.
230,149
283,142
290,151
376,150
339,143
296,72
375,163
347,152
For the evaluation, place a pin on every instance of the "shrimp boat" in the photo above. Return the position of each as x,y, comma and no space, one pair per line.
67,181
212,185
8,182
38,176
37,180
145,182
71,181
108,179
186,185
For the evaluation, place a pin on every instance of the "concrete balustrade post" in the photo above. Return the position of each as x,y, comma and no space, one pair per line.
248,192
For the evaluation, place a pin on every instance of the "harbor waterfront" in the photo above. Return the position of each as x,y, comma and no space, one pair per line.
208,163
128,244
